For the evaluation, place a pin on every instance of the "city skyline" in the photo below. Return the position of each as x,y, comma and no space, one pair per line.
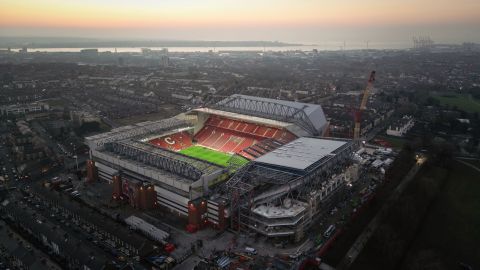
285,20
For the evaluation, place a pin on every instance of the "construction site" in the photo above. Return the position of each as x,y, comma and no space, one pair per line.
253,166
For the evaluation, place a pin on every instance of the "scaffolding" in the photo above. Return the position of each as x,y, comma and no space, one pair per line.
256,183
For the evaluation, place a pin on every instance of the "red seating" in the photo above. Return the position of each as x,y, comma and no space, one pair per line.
260,131
221,140
244,144
203,134
249,128
241,126
174,142
232,142
214,121
246,155
284,136
232,136
271,132
252,152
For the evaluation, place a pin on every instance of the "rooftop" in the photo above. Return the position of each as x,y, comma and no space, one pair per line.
301,153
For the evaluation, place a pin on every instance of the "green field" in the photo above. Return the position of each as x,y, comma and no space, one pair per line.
207,154
462,102
444,234
451,229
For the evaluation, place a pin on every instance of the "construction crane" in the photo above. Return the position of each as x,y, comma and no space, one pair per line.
363,105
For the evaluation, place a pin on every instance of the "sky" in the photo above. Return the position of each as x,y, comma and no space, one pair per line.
305,21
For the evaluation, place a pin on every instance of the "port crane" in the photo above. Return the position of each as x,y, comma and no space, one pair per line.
358,113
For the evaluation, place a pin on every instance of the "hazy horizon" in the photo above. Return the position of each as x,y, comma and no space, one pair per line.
301,21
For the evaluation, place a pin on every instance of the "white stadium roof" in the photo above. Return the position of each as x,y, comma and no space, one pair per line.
301,153
243,117
313,112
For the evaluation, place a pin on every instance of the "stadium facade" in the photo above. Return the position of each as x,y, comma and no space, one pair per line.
246,162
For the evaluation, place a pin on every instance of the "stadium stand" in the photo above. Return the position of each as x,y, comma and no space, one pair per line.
250,128
260,148
232,136
174,142
252,152
246,155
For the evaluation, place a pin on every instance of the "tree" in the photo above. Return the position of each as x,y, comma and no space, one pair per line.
424,259
87,127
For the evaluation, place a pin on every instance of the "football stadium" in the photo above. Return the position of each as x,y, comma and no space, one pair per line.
244,163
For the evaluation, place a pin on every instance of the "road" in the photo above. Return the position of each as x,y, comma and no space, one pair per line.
109,122
363,238
469,165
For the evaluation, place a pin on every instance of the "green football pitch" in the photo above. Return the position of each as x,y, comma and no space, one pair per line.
207,154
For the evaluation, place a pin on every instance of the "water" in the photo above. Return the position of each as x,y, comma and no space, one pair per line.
327,46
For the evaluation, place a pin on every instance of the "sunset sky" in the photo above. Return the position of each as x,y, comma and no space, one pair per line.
284,20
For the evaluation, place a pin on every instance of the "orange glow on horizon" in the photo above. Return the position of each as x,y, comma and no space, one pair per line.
150,14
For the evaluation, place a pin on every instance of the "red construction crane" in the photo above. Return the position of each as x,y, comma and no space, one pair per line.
363,105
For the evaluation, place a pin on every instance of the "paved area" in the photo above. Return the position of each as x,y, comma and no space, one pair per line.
363,238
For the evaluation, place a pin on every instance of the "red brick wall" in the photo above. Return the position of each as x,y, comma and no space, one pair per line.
117,186
92,174
196,213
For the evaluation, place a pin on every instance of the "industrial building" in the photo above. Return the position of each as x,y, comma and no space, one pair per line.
246,162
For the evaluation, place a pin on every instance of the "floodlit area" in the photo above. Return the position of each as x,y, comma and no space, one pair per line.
207,154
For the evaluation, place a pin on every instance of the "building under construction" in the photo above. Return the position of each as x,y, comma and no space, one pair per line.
282,192
246,162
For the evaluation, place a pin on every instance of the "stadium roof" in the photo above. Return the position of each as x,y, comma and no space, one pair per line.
311,116
243,117
130,131
301,153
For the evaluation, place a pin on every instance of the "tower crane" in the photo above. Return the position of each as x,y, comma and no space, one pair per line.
363,105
